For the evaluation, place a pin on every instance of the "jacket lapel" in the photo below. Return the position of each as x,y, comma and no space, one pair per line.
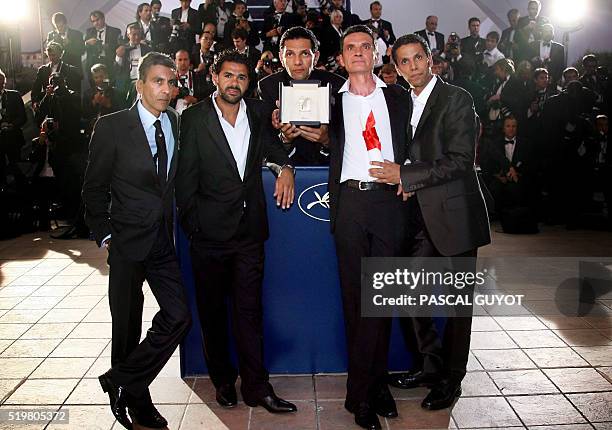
173,116
254,126
213,125
394,111
431,101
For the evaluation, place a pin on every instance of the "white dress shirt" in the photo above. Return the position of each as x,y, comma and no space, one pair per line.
355,161
184,14
134,59
146,30
238,136
545,50
431,37
419,102
509,146
492,57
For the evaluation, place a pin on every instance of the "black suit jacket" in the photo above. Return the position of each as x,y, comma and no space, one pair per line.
442,172
382,26
121,166
509,48
472,46
306,153
397,99
195,26
68,72
73,47
210,195
555,64
287,21
439,39
522,157
330,42
111,41
15,114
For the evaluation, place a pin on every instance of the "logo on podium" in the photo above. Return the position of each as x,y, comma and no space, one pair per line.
314,202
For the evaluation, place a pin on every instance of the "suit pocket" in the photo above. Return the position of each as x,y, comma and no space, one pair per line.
131,217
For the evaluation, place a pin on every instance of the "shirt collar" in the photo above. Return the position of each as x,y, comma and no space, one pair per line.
379,84
146,117
241,110
422,98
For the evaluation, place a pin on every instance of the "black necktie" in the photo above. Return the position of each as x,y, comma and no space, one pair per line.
100,34
162,153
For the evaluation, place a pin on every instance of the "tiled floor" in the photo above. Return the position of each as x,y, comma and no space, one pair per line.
535,369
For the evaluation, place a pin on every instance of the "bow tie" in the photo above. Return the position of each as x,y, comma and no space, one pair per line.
430,33
510,142
487,53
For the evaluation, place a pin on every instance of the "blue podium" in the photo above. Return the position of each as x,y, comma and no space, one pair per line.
303,323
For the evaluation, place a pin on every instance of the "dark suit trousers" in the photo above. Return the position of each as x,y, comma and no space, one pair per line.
232,269
135,364
368,224
420,333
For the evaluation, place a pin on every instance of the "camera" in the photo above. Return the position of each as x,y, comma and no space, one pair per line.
453,45
105,88
183,88
57,82
272,63
453,38
176,32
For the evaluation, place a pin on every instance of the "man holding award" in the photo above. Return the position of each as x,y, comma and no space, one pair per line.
369,122
299,53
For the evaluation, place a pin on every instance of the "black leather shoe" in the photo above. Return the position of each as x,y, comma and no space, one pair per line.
118,400
442,396
273,404
148,417
384,404
366,418
64,233
412,379
226,396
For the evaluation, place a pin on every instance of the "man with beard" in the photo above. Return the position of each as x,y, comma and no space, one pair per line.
448,211
299,53
133,158
222,208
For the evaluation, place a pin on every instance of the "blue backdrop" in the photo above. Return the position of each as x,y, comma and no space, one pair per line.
303,324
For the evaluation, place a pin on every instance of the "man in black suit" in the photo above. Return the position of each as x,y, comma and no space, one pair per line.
548,53
434,39
349,18
275,24
127,58
299,54
71,40
449,215
101,42
12,118
509,41
99,99
192,87
222,208
161,28
531,24
473,45
189,24
55,65
385,28
367,218
133,158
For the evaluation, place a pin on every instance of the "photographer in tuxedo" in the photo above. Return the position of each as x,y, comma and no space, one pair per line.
133,158
448,212
191,86
222,208
71,41
12,118
101,42
55,65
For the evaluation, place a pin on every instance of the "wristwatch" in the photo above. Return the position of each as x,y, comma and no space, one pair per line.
280,172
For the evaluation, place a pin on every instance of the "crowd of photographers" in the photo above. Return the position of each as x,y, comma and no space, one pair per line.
543,148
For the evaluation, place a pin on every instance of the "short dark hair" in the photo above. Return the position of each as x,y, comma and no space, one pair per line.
240,33
153,59
231,56
473,19
359,28
510,118
512,12
493,35
98,14
59,17
570,69
155,2
534,1
409,39
237,2
539,71
299,33
375,2
182,50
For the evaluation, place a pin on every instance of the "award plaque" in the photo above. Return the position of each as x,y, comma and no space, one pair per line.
304,102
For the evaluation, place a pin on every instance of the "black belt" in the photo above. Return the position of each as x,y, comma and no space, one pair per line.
369,186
